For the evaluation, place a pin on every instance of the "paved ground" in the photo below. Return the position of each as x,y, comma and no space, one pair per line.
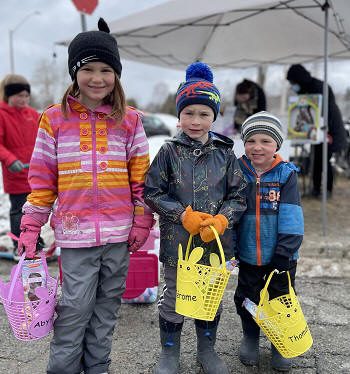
323,284
325,301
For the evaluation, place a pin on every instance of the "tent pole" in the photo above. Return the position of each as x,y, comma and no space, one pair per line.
325,8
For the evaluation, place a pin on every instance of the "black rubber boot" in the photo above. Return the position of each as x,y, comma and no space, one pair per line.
169,359
278,362
249,347
206,356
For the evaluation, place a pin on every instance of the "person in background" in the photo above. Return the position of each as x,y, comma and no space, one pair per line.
18,129
193,182
91,155
302,83
271,230
249,98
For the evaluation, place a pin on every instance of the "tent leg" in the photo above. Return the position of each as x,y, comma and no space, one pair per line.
325,125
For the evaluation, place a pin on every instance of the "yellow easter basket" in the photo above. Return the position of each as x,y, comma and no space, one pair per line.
200,288
283,321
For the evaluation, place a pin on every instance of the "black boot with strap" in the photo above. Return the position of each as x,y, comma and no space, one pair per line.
170,336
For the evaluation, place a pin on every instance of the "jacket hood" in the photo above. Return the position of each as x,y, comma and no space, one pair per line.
214,137
298,74
8,108
12,110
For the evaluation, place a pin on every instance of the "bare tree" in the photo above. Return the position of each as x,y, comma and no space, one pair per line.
132,102
169,105
48,83
159,95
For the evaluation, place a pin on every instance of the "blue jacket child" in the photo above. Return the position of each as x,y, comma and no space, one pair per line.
270,231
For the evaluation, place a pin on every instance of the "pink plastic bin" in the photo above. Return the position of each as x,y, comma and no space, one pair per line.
143,272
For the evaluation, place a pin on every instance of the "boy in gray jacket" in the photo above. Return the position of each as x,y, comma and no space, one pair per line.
194,182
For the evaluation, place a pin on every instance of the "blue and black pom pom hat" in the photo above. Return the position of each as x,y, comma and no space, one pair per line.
198,89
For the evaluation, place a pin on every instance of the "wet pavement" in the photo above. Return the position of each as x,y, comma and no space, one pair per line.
323,288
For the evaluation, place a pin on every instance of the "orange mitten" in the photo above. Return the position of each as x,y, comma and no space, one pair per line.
192,220
219,222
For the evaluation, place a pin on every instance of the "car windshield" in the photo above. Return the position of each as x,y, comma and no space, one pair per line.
152,121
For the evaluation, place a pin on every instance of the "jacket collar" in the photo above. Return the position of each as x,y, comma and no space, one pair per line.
247,163
11,109
214,138
77,106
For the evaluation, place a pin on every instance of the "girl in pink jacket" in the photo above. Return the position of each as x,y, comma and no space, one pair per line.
88,169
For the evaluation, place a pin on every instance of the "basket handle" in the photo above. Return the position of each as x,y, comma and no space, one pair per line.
262,297
19,268
218,241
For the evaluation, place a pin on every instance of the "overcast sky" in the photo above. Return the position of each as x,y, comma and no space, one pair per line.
34,39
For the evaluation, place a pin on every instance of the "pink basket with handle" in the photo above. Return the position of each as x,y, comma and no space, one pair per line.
29,320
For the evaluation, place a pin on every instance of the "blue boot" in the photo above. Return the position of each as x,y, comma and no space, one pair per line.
278,362
209,360
249,347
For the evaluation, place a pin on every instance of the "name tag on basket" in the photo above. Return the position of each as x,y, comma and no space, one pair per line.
200,288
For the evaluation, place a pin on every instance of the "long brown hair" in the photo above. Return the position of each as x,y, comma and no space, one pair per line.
116,99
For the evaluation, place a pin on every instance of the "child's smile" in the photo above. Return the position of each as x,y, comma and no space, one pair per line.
96,80
260,149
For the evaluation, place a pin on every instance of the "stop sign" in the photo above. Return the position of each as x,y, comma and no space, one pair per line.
85,6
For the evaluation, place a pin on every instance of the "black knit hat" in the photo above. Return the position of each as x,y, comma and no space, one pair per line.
15,88
93,46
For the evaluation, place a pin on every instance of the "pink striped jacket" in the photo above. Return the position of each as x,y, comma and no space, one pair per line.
89,172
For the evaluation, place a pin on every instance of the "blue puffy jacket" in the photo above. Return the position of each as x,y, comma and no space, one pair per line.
273,222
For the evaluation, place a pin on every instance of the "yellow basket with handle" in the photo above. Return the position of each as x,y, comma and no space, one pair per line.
200,288
283,321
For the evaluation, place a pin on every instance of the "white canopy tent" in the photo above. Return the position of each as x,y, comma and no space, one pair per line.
240,34
234,34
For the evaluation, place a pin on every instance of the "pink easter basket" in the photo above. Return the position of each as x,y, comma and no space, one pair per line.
29,320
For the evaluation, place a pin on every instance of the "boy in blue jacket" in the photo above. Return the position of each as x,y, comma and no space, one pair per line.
271,230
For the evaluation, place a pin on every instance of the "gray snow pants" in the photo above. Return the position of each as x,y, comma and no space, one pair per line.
93,283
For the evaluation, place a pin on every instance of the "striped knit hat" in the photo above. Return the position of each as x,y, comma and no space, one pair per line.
263,123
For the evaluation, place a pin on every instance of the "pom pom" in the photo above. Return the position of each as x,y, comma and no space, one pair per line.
102,25
199,70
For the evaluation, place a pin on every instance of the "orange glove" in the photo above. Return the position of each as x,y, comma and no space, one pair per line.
192,220
219,222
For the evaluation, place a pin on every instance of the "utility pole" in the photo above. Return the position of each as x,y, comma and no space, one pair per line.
11,32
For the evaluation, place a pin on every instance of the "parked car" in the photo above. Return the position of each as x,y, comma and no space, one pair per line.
153,125
170,121
155,142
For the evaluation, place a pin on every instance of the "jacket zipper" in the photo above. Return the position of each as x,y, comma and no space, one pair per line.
94,179
257,213
257,221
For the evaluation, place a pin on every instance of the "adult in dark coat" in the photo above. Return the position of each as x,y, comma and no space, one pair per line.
249,98
303,83
18,129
